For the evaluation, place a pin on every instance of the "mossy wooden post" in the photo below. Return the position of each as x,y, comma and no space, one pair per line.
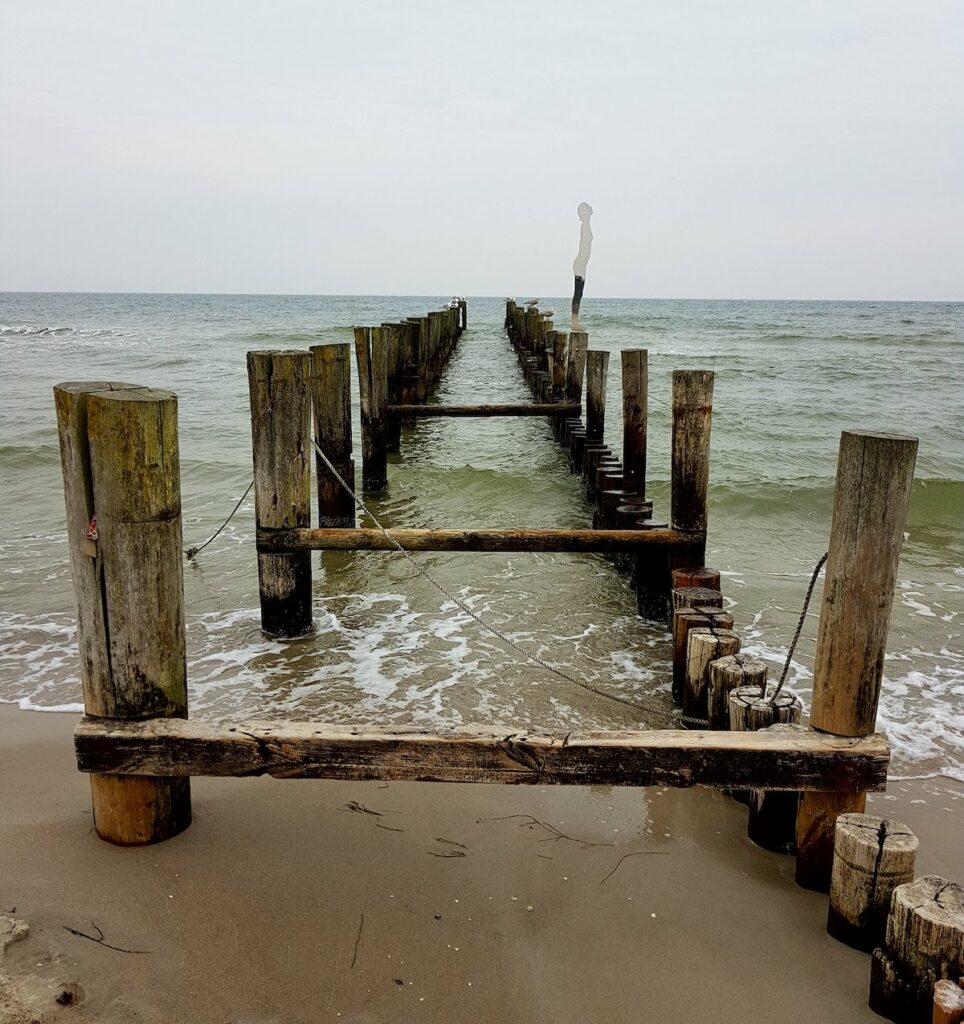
278,383
120,460
874,477
331,407
597,370
371,358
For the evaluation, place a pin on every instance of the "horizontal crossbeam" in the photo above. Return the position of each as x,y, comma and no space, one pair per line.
798,760
516,409
275,541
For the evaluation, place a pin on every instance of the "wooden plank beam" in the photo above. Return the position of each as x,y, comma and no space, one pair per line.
468,540
512,409
804,760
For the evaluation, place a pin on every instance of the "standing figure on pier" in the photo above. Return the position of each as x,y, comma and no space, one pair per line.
580,263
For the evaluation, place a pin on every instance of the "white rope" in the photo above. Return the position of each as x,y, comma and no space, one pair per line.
648,708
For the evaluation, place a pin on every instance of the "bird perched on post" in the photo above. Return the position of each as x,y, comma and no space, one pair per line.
533,302
547,313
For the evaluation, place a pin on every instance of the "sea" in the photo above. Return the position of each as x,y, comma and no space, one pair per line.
790,376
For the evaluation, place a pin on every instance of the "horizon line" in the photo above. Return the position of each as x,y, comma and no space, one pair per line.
429,295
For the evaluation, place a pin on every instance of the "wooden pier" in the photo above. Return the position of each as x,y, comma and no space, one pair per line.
119,445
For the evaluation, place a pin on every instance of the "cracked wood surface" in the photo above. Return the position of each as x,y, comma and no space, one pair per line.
804,761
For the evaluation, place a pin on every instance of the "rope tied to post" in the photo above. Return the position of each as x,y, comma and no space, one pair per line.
647,707
191,553
799,629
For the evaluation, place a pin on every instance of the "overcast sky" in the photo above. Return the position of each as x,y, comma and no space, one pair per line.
733,150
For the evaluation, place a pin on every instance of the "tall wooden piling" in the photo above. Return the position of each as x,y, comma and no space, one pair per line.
122,488
576,365
692,417
371,359
597,371
874,477
278,383
635,384
331,407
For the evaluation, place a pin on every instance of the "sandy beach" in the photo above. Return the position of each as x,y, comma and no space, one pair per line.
368,902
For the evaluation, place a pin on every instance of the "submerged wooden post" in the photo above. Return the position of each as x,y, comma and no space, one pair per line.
331,406
874,477
635,381
122,488
278,383
371,357
597,370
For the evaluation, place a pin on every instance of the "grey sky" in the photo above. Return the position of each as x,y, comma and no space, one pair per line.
746,149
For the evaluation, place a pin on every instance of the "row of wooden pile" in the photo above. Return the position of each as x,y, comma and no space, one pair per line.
556,364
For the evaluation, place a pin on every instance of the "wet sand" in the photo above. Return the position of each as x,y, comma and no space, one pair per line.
290,902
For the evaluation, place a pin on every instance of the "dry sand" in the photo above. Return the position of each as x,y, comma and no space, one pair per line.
282,904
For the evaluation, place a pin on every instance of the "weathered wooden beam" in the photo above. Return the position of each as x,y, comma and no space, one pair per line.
805,760
274,541
510,409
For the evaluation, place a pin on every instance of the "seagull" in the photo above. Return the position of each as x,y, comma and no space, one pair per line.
533,302
547,313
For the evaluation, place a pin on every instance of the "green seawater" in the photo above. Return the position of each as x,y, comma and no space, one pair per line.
789,377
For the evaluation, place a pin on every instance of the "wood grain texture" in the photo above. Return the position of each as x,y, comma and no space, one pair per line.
924,943
468,540
120,459
685,619
70,400
137,495
692,420
874,477
871,857
704,644
331,409
278,384
306,750
576,365
726,674
597,374
635,386
816,817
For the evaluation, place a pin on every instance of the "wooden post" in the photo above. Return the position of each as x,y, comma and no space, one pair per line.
924,943
635,369
726,674
703,646
397,339
685,619
948,1002
278,383
122,488
576,365
597,370
874,477
331,404
371,358
702,577
692,419
871,857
